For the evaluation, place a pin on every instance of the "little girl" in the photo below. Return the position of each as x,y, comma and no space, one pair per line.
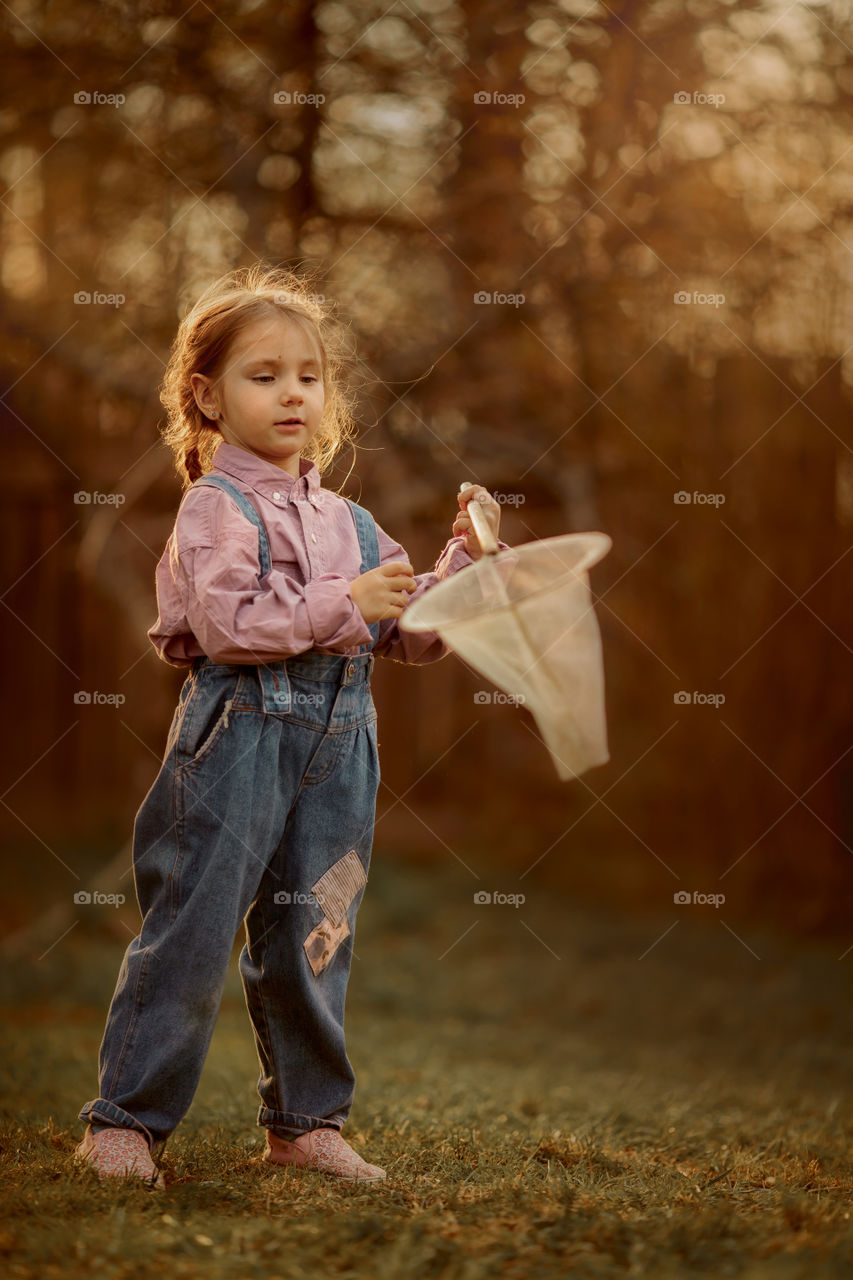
276,595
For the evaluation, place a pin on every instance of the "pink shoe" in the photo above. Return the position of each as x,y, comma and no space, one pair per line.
120,1153
324,1150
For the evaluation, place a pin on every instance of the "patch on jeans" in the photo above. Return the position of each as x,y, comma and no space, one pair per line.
337,887
322,943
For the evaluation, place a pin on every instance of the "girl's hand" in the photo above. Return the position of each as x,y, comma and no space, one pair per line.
382,593
463,523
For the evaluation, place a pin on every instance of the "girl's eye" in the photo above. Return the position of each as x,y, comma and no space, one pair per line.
262,377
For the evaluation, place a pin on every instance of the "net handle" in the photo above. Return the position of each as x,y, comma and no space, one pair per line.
482,528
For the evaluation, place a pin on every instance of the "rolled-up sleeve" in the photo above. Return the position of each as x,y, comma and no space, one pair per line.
235,618
419,646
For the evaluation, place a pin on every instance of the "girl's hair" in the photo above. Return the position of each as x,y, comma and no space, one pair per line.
205,337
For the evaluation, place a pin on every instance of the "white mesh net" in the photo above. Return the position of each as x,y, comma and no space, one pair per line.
524,619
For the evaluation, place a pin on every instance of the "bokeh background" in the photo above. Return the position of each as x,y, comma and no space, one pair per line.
597,258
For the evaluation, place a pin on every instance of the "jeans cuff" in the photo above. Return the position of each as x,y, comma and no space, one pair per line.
101,1111
294,1122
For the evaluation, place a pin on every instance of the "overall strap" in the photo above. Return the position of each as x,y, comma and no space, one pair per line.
368,542
275,690
249,510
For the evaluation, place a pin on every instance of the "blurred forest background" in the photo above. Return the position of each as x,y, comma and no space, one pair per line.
595,256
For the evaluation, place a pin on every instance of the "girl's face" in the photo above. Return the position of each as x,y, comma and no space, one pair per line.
272,375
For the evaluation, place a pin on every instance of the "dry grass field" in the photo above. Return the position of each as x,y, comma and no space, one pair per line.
552,1092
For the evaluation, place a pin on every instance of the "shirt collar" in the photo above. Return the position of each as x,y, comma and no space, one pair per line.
264,476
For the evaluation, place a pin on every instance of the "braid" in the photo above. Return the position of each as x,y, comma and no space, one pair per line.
192,464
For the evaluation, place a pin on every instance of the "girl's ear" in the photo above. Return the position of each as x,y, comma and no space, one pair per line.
204,395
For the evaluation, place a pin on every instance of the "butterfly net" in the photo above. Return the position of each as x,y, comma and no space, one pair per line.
524,619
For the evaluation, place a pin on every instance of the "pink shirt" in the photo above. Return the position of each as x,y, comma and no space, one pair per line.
208,595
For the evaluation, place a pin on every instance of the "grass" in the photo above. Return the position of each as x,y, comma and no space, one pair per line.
549,1092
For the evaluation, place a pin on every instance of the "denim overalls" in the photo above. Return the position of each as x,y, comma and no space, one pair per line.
262,813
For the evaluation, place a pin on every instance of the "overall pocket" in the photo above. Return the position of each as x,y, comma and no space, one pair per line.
206,712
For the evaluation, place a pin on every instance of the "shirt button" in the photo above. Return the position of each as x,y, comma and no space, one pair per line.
313,537
276,496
